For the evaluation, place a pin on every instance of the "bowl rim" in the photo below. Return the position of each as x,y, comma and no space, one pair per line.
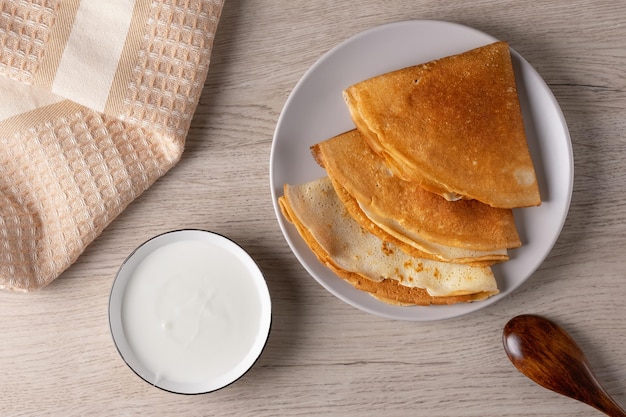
115,299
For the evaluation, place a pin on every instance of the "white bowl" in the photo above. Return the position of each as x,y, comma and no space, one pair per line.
190,311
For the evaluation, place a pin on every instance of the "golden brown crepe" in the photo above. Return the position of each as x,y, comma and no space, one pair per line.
453,125
369,263
420,222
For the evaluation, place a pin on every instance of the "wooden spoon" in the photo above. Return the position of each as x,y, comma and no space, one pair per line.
545,353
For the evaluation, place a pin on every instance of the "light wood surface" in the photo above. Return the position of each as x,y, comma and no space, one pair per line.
325,357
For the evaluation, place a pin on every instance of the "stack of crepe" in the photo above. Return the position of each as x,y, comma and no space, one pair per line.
417,202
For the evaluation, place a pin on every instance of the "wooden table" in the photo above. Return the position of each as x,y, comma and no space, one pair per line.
325,357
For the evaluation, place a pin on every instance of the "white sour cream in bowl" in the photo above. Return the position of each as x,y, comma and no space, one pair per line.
190,311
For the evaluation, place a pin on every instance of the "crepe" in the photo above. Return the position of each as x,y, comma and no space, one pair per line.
420,222
453,125
372,265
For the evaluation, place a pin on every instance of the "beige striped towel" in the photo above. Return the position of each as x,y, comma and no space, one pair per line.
96,98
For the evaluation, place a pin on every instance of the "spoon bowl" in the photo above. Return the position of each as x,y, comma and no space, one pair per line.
547,354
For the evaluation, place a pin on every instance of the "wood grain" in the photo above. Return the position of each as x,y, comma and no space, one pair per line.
325,357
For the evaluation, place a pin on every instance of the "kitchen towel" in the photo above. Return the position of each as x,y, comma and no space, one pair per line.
96,98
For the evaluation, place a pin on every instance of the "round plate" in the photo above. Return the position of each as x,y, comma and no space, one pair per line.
315,111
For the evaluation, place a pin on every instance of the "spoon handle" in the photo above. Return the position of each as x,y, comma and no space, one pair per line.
594,394
609,407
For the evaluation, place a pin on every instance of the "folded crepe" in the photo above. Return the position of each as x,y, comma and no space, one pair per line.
96,99
453,125
371,264
420,222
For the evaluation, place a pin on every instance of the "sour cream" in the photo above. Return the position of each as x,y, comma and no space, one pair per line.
194,311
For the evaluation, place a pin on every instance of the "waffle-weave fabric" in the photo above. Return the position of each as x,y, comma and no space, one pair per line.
96,99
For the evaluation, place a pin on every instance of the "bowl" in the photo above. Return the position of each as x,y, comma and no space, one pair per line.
190,311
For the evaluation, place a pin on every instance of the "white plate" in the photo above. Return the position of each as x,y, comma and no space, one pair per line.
315,111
